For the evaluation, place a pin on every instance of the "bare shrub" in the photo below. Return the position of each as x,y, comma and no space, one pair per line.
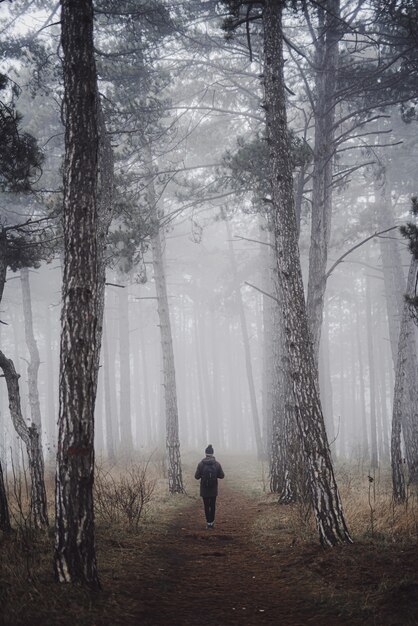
123,499
23,546
19,495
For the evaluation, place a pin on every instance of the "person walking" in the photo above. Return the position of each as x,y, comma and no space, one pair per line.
208,471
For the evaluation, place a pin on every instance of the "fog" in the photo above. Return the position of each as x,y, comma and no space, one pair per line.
199,100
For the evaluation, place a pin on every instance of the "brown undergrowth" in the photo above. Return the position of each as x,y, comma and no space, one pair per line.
264,560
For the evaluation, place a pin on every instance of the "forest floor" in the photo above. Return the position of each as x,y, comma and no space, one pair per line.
251,569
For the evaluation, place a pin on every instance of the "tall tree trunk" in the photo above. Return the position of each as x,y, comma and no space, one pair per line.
325,380
362,391
302,364
31,439
343,412
326,63
34,360
125,374
109,415
216,424
246,344
75,554
372,376
207,375
29,435
400,420
382,366
175,478
200,386
50,371
146,435
405,409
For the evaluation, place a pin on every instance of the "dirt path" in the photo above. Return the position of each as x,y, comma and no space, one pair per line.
220,577
190,576
250,570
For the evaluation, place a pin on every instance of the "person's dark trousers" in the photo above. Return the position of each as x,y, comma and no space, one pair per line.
210,506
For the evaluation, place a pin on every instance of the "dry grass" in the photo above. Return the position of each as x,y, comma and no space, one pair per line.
383,557
26,573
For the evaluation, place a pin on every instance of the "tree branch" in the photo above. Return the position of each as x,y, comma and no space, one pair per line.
342,257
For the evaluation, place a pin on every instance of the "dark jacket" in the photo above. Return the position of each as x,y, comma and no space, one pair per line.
209,492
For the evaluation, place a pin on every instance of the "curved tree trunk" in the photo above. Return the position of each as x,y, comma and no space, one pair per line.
302,364
75,555
31,439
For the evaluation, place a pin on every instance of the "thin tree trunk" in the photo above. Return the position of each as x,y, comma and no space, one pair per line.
31,439
50,371
109,417
326,62
34,360
363,415
302,364
200,386
382,367
125,374
325,380
75,554
372,379
216,426
405,409
399,420
343,412
246,344
206,373
146,435
175,479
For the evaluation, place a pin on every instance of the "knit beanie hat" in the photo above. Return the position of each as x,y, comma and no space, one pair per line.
209,449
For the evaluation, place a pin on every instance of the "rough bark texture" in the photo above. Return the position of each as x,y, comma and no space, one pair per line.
326,62
410,427
286,464
75,557
31,439
323,489
3,260
406,414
